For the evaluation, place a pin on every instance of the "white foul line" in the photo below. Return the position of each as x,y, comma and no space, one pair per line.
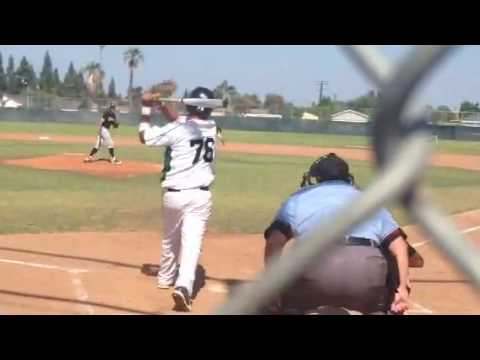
42,266
419,309
465,231
80,291
469,230
419,244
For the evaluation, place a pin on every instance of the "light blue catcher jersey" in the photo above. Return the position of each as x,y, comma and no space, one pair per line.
306,208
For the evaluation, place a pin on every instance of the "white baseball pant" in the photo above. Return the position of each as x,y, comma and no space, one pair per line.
185,215
104,138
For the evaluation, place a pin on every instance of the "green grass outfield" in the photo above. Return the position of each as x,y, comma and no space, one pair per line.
248,191
255,137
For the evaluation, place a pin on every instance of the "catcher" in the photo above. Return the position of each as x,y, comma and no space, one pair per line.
366,271
109,119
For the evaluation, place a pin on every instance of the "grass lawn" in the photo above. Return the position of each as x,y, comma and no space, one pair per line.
248,191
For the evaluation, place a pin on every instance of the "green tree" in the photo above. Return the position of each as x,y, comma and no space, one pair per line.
132,57
224,89
289,110
12,82
326,101
274,103
242,103
361,103
47,80
3,76
80,85
70,82
111,89
443,108
25,72
468,106
254,100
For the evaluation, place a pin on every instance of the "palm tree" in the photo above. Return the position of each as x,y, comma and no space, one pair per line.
226,91
95,76
132,57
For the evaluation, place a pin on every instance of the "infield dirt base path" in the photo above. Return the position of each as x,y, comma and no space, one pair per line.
468,162
99,273
100,167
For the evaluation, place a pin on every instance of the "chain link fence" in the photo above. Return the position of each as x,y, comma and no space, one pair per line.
402,148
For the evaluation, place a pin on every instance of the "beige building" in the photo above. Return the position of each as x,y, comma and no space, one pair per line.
308,116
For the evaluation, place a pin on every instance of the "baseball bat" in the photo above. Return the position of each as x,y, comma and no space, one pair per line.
204,103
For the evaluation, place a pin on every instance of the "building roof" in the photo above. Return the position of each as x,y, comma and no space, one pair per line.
309,116
350,111
474,117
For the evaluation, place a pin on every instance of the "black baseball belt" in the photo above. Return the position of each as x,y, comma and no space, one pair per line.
203,188
358,241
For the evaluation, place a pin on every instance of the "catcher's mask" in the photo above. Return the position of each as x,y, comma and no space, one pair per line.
200,93
328,167
112,106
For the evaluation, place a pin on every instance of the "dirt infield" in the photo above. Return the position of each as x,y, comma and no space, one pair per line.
101,167
99,273
468,162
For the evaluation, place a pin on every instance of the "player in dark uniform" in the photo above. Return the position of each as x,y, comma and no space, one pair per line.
109,119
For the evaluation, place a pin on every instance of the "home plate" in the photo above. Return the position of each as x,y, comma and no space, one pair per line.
44,138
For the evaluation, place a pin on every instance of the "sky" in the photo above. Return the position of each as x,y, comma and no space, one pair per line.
290,70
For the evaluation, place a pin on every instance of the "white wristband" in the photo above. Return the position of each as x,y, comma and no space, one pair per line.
146,110
144,126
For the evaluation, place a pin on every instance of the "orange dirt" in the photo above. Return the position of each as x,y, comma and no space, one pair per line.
99,273
101,167
468,162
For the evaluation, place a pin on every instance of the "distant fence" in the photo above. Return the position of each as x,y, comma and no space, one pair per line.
447,131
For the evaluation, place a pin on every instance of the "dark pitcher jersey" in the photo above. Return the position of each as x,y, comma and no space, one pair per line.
108,118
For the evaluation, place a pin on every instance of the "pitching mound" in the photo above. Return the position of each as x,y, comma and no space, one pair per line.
101,167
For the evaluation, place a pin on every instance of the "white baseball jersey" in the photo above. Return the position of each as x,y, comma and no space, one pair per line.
189,154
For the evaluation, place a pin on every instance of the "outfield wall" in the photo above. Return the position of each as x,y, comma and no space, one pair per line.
452,132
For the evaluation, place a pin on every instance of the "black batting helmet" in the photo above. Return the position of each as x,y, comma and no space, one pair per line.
200,93
328,167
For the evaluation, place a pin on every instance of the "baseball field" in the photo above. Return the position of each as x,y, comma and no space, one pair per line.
74,236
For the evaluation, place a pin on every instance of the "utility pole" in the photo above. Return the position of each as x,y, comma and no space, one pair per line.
101,54
321,84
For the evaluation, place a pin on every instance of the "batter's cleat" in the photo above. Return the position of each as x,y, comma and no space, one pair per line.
88,159
182,299
116,162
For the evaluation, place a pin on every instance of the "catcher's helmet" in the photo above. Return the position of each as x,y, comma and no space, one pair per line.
200,93
328,167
